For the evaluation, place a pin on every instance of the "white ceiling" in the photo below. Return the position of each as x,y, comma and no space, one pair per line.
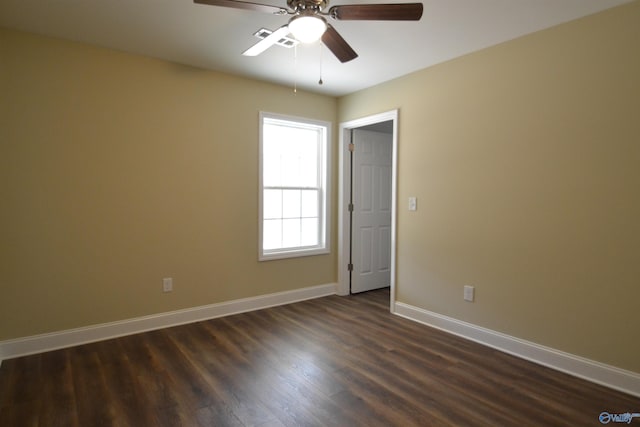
214,37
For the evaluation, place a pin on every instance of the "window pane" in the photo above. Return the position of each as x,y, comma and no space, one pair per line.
291,204
271,162
290,233
299,164
290,156
272,151
309,232
272,204
310,203
290,167
308,154
272,234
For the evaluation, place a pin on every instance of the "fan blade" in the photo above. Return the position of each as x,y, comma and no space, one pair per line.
257,7
338,45
377,12
267,42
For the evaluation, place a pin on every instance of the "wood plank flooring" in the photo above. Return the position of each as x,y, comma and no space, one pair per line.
334,361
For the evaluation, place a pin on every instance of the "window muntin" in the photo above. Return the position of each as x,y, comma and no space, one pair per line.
293,186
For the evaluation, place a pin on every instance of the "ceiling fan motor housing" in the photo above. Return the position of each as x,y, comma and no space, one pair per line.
307,6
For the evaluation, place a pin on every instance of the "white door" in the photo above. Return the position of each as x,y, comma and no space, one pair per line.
371,198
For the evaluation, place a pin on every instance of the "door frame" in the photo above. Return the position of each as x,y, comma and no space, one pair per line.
344,225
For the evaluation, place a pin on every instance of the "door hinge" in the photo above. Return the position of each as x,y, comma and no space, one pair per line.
352,147
350,207
350,267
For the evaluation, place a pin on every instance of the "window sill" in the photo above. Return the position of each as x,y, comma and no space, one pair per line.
292,254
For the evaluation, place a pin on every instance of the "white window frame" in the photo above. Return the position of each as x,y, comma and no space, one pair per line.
324,207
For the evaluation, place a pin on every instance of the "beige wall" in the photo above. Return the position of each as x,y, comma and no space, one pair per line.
525,159
118,170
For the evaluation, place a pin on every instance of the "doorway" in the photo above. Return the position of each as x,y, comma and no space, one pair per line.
367,204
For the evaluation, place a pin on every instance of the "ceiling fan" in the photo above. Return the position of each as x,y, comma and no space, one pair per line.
308,24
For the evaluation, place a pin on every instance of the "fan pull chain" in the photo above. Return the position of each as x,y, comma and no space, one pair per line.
295,69
320,81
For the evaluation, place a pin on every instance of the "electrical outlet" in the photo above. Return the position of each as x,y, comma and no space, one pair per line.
469,293
167,284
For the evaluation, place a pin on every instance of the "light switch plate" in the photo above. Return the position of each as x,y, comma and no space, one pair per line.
413,204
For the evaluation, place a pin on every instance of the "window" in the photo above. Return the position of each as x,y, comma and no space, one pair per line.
294,169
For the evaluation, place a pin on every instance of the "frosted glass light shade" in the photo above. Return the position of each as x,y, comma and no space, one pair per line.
307,29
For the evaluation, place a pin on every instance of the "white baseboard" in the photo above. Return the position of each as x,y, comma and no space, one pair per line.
600,373
68,338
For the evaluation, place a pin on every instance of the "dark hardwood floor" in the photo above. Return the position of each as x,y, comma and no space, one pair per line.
334,361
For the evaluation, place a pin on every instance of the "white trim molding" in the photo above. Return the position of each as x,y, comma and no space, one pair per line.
344,172
323,133
596,372
72,337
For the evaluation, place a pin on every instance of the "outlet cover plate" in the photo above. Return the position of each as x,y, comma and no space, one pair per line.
167,284
469,293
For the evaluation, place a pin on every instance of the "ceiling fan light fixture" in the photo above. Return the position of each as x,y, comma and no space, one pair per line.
307,28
